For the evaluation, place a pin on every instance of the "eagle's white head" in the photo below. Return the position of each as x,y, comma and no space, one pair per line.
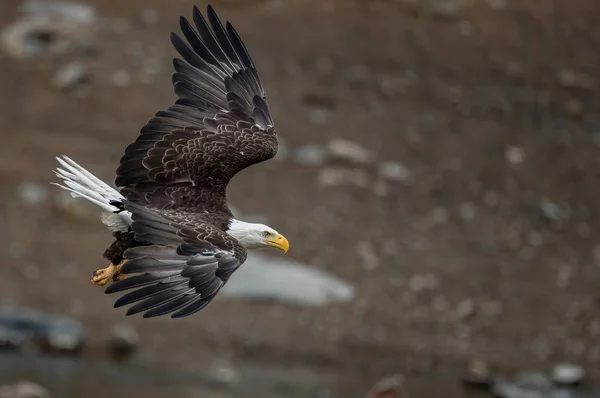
254,235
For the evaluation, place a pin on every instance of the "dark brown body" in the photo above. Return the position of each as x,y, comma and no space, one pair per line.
123,241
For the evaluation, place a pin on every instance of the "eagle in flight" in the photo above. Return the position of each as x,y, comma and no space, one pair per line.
176,242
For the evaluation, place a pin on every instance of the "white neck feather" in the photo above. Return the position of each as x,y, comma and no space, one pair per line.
250,235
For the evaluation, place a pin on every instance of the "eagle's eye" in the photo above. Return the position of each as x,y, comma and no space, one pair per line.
266,234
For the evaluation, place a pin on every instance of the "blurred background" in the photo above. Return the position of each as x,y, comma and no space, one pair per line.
438,180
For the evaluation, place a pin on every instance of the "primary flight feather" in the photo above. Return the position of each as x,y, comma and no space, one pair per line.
176,241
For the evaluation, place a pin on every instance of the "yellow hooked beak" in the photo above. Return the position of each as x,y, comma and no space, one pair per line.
279,242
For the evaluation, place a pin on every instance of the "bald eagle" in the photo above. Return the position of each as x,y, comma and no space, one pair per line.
176,242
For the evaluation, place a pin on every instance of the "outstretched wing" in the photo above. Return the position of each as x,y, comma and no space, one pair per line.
186,265
219,125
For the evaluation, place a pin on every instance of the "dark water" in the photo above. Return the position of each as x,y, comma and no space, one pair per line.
73,378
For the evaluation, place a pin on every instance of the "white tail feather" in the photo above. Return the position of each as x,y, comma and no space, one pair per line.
81,183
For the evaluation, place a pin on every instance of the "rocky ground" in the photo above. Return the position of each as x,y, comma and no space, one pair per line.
439,157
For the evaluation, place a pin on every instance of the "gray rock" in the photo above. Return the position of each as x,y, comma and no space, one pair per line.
11,339
268,278
498,4
514,155
395,171
319,116
491,309
309,155
570,78
24,389
442,8
45,332
75,13
552,211
222,373
349,151
334,176
507,389
440,215
465,309
50,28
467,211
422,282
124,341
535,380
324,64
149,16
366,252
390,387
70,75
32,193
121,78
568,374
478,375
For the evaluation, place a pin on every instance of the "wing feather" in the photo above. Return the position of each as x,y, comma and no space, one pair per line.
217,88
180,270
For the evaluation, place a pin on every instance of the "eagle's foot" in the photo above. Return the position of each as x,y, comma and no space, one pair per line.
112,272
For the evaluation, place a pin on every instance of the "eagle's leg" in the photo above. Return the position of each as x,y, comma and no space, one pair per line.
112,272
123,241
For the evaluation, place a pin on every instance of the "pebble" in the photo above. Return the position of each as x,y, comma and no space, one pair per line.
32,193
49,28
478,375
491,309
465,309
551,210
568,374
507,389
514,69
335,176
574,107
367,254
11,339
121,78
395,171
357,73
389,387
465,28
349,151
564,275
319,116
422,282
274,278
439,303
70,75
310,155
324,64
491,198
583,230
221,372
46,332
123,341
77,13
466,211
149,16
514,155
440,215
570,78
534,380
498,4
381,188
535,239
24,389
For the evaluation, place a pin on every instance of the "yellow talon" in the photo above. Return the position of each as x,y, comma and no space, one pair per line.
112,272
